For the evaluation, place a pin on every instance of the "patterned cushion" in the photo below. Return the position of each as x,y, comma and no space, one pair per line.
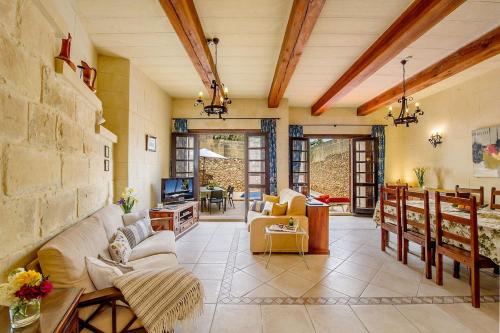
268,207
120,249
257,206
138,231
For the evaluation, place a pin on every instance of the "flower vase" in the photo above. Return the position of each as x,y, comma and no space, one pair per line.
24,313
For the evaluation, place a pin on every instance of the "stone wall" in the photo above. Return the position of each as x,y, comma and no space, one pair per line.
330,168
51,159
226,172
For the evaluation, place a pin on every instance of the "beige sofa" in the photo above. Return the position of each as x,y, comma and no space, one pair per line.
63,258
283,243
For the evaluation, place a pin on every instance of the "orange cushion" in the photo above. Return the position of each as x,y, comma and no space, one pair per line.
279,209
271,198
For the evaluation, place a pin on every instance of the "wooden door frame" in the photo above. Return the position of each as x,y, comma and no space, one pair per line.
196,158
375,172
342,136
290,163
266,166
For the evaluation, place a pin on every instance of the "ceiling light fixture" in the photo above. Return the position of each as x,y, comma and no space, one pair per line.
220,99
405,116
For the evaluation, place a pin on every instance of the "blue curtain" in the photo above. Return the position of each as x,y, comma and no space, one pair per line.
269,126
180,126
296,131
378,131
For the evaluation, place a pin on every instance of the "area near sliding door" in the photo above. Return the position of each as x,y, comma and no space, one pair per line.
364,175
185,157
257,180
299,164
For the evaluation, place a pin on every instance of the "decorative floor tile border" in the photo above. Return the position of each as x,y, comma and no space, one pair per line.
225,296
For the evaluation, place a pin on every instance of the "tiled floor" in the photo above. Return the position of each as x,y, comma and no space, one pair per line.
357,288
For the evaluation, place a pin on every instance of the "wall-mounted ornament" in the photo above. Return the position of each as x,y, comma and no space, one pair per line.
106,151
150,143
106,165
65,53
436,139
88,77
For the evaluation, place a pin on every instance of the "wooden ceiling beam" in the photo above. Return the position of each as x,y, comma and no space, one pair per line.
485,47
417,19
186,23
303,17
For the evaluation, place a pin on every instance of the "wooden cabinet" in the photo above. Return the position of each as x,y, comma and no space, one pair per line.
179,218
319,228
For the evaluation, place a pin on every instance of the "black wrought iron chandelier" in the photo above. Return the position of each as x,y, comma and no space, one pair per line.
220,99
405,116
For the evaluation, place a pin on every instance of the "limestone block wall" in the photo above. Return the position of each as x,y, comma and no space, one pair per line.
51,158
134,106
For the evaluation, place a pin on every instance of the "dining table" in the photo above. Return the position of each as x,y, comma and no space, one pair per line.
488,223
205,193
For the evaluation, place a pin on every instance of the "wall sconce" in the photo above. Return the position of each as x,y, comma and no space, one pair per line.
436,139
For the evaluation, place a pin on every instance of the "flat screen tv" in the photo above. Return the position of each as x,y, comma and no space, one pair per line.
176,189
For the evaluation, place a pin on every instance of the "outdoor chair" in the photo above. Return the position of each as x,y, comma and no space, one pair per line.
230,193
216,197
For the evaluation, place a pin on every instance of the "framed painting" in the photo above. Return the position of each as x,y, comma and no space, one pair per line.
150,143
486,152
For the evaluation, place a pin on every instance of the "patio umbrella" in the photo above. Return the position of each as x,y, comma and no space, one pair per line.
207,153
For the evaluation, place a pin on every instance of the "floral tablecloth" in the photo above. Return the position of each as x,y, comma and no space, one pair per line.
488,222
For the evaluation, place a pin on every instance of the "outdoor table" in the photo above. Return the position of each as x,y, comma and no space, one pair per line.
205,193
488,223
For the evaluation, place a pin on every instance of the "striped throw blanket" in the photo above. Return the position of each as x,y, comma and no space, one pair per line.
162,297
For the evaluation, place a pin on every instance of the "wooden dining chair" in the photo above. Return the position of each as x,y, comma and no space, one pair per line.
394,186
417,230
494,194
395,226
471,258
463,192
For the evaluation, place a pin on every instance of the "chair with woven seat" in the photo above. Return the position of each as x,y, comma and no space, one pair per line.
493,202
471,257
386,227
230,194
463,192
415,230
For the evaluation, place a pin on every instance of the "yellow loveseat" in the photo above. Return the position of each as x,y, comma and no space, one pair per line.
283,243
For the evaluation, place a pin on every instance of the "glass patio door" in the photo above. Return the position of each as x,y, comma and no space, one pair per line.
257,180
299,164
185,157
364,175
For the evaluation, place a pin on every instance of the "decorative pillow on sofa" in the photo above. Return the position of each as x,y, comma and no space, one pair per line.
122,267
138,231
257,206
279,209
120,249
268,207
101,273
271,198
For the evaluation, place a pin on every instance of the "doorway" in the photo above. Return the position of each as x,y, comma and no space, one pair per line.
228,164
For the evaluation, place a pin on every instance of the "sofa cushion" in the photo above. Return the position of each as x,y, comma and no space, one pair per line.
157,261
63,257
111,219
271,198
158,243
296,202
133,217
101,273
120,249
279,209
257,206
137,232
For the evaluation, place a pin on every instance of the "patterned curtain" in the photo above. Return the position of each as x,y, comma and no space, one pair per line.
378,131
296,131
180,126
269,126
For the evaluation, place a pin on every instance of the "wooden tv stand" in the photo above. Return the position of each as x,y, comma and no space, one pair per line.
180,218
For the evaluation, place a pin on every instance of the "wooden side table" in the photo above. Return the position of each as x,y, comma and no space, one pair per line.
318,215
59,314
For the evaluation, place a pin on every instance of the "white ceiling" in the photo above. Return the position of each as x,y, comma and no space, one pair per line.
251,32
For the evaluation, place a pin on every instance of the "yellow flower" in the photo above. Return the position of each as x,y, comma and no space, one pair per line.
30,278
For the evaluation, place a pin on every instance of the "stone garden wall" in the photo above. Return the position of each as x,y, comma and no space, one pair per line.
330,168
51,158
